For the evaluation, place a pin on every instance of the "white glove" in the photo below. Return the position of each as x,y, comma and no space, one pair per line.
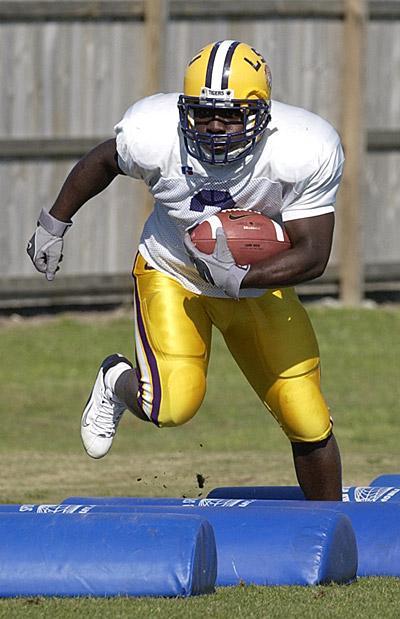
218,268
45,246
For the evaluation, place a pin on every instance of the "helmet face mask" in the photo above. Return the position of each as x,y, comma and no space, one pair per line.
228,82
222,148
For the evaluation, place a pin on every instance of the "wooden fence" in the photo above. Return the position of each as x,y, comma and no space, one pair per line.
69,69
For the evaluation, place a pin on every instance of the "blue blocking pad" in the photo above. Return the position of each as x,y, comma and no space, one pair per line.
101,554
118,500
287,493
375,522
391,479
280,545
385,492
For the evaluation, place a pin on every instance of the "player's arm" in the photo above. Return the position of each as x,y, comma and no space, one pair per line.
311,240
91,175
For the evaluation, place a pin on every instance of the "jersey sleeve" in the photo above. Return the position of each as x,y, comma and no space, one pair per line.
125,136
316,194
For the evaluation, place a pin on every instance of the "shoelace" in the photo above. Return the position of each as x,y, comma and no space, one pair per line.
107,419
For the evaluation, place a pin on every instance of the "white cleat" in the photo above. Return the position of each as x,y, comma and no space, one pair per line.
102,413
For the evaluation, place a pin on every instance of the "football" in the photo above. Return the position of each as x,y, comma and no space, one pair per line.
251,235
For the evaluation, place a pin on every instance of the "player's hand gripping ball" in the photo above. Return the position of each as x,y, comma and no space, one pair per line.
251,235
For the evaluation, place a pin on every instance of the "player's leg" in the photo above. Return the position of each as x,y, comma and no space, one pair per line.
274,344
126,389
172,335
318,469
173,338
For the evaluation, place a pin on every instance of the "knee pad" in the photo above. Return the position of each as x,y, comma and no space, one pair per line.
186,388
300,407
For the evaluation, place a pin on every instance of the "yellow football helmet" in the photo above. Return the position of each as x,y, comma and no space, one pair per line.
227,75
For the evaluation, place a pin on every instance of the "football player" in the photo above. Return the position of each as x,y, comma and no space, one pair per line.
220,144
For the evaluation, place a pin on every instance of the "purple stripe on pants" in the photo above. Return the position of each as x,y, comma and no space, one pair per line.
151,361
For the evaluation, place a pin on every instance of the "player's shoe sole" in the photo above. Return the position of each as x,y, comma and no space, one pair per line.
102,412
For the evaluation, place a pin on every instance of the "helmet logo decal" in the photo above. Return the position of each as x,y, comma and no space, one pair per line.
194,59
257,66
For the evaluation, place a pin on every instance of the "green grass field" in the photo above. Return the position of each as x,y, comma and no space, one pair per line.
48,369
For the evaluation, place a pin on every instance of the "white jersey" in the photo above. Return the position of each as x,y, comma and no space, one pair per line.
293,173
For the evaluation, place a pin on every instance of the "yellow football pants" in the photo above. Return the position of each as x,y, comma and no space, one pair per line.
270,337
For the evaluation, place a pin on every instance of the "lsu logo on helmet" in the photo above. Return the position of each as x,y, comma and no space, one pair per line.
232,76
